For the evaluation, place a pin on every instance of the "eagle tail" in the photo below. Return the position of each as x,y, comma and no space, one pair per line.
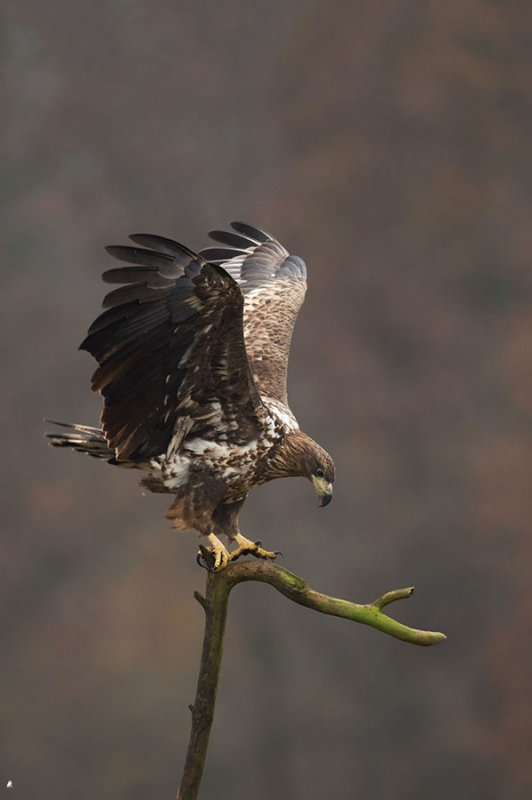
82,438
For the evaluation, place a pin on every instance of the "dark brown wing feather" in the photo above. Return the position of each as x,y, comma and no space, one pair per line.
170,345
273,284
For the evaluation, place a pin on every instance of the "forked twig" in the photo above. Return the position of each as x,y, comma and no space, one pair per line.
215,602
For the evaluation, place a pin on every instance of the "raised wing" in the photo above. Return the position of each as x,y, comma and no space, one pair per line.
273,284
171,351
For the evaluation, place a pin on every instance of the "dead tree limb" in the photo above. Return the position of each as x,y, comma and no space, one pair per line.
219,585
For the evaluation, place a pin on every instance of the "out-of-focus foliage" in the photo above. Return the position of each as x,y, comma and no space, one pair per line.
389,145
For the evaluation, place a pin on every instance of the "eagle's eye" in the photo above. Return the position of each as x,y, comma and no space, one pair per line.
319,473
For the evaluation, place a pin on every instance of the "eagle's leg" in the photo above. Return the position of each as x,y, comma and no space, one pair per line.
225,523
247,547
215,557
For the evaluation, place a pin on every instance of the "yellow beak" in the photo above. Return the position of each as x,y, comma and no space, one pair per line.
324,490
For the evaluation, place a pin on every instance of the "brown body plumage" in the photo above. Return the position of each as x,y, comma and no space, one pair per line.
193,355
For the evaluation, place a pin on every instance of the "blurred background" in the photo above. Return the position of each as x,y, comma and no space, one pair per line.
388,144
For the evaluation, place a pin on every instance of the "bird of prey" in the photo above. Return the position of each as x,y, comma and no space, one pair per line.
193,353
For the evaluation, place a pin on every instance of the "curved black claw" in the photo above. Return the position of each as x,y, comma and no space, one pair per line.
258,543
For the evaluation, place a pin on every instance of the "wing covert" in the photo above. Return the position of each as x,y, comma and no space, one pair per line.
273,283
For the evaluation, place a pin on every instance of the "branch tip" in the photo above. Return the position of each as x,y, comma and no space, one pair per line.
201,600
391,597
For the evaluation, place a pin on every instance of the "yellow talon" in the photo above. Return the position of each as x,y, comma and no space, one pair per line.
215,557
246,546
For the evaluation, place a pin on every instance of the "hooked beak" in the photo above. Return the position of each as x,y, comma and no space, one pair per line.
324,490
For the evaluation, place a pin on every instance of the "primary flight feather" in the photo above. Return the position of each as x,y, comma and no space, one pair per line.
193,354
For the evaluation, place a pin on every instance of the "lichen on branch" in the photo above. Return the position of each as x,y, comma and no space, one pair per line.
215,602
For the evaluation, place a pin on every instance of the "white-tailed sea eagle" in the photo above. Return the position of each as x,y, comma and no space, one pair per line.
193,352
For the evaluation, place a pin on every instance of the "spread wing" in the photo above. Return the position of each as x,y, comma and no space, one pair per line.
171,351
273,284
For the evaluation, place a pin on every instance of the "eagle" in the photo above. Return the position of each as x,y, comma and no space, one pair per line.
192,351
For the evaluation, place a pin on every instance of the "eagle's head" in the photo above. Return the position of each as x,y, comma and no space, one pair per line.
299,455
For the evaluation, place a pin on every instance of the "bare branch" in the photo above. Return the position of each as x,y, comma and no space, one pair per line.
293,587
296,589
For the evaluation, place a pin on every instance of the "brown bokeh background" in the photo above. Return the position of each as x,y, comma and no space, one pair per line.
387,143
